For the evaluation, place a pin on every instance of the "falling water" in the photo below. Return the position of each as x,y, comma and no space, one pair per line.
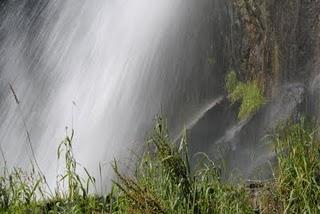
104,68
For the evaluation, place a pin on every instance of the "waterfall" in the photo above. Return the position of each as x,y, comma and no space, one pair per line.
104,68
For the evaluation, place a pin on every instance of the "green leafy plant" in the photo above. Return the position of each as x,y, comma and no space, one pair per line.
249,94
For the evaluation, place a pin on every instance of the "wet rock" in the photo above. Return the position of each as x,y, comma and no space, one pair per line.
243,145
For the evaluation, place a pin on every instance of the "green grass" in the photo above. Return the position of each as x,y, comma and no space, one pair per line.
27,192
298,180
249,94
164,182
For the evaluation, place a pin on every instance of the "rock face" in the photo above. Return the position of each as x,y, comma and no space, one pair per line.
277,43
278,39
243,146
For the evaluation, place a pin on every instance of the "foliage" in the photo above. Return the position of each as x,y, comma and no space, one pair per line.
76,185
249,94
23,192
164,182
298,180
18,190
231,82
